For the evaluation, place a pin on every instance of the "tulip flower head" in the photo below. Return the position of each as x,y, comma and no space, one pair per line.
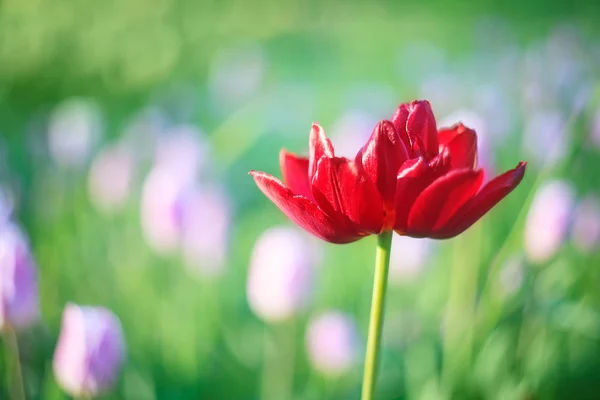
409,177
90,350
19,301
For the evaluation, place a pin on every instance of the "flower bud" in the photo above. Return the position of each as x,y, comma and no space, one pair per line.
281,272
19,302
332,343
90,350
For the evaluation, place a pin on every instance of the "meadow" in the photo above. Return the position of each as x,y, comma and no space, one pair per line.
127,131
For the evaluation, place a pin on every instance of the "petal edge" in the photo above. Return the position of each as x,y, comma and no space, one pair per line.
295,173
490,195
303,212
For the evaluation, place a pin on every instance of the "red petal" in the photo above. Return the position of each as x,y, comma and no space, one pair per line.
414,176
341,186
479,205
399,120
381,158
421,124
304,212
295,173
441,199
461,143
319,146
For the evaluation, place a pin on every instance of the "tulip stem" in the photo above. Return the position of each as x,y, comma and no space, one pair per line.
278,362
13,344
382,263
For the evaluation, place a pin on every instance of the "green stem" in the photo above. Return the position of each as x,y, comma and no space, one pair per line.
382,263
13,344
278,362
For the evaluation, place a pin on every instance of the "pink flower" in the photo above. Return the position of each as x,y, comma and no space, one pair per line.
281,272
110,178
332,343
205,221
548,220
90,350
161,210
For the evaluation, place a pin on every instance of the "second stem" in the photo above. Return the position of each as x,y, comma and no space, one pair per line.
382,263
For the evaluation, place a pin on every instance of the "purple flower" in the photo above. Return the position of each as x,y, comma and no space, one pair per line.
110,178
585,232
161,210
548,220
205,220
332,343
90,350
19,302
281,272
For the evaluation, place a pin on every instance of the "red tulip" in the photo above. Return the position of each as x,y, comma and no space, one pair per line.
409,177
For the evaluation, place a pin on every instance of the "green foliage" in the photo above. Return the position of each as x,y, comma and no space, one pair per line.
195,337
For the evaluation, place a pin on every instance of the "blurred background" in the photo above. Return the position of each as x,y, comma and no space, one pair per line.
127,129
